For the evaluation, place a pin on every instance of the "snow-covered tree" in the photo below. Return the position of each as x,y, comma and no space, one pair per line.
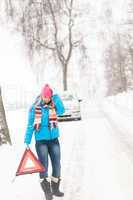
47,26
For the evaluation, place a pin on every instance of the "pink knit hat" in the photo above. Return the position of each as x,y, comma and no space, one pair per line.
47,91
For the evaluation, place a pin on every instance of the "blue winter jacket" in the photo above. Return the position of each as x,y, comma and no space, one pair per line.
44,133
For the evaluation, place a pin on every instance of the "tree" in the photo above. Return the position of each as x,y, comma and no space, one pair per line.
47,25
4,132
116,66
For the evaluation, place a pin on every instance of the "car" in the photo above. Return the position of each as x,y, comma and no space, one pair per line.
72,107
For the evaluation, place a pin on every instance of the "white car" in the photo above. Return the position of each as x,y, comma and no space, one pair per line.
72,107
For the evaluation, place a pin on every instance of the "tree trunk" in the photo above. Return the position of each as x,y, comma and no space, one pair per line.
65,77
122,73
4,131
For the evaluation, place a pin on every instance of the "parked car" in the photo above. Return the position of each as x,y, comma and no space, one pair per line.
72,107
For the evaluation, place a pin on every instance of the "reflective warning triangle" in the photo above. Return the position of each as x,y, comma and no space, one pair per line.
29,164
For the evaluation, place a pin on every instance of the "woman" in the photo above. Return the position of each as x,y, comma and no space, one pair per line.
43,122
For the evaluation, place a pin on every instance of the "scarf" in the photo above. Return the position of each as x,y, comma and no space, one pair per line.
39,104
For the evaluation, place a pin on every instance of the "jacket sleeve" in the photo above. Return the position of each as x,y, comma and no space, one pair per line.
30,126
58,104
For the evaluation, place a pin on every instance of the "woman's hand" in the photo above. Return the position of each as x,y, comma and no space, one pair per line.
27,146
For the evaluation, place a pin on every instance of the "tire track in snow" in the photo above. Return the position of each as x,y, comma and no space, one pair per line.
78,164
75,162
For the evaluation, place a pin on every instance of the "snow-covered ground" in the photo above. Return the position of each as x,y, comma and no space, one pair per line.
97,154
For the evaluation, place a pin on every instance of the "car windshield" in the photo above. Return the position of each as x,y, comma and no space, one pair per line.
67,97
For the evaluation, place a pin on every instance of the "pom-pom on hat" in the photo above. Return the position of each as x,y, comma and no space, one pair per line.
47,91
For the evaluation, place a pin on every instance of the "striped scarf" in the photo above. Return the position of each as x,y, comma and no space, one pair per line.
53,123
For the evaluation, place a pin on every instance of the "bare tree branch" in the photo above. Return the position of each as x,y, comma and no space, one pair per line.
45,45
60,55
70,25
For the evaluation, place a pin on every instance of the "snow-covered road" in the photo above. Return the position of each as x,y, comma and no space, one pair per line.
96,159
97,165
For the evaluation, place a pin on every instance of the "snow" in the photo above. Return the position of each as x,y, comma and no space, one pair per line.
96,154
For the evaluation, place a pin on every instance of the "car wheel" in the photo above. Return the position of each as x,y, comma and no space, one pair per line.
79,118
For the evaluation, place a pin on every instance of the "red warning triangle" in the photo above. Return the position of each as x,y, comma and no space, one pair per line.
29,164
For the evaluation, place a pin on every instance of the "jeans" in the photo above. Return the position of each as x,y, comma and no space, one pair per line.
51,148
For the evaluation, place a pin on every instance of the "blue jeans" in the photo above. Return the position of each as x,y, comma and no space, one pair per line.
45,148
